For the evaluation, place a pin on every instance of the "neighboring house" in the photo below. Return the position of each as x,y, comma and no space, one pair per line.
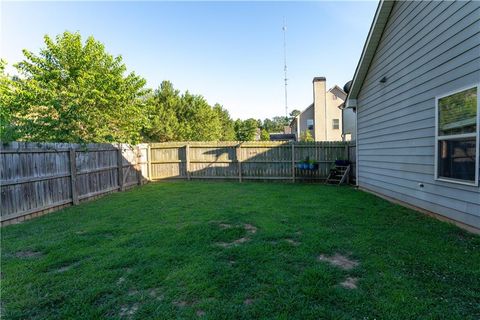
286,135
416,94
323,118
258,134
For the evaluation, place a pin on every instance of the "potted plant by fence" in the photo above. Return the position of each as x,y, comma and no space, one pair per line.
308,164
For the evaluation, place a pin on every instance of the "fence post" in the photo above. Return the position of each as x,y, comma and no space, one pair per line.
187,160
293,161
347,151
120,167
138,166
73,176
149,163
239,161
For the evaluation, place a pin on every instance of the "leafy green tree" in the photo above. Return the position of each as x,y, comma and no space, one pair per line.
294,113
276,124
8,131
199,119
74,91
172,116
306,136
162,122
264,135
246,130
227,125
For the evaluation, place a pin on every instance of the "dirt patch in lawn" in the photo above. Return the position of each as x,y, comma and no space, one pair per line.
28,254
67,267
350,283
128,311
155,293
339,261
248,302
133,292
233,243
250,229
293,242
152,293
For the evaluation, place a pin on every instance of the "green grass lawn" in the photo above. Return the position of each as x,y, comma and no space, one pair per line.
190,250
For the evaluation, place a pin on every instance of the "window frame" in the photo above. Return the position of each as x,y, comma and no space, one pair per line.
337,124
458,136
312,125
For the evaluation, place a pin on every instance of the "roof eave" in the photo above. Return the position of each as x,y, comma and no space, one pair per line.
351,104
374,35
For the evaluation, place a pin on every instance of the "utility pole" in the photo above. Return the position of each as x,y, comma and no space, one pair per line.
285,79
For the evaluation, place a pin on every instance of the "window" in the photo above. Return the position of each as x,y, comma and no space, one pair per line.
310,124
457,135
336,124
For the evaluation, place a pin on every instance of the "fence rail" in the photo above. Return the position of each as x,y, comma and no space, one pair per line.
40,177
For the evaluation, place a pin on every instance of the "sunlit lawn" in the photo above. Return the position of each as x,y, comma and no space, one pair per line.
239,251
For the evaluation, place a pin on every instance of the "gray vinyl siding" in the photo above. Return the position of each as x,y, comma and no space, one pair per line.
427,49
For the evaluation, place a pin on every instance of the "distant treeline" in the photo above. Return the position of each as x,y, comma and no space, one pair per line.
74,91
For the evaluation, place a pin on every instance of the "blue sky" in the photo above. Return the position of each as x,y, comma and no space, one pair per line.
229,52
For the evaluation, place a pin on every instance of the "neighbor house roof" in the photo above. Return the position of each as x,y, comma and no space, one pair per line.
336,90
374,35
282,136
294,119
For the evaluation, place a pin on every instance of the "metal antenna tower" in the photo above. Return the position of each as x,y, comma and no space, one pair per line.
284,28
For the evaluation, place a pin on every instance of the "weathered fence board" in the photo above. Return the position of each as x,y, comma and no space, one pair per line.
41,176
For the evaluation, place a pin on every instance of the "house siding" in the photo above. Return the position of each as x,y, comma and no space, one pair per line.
427,49
304,116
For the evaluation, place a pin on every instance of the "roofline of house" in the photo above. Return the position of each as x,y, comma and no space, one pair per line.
311,105
336,86
291,122
373,39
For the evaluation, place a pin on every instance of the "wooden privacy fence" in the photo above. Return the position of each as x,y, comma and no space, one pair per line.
41,177
243,160
36,178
